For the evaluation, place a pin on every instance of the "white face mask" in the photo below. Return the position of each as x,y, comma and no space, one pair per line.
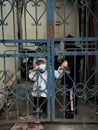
42,67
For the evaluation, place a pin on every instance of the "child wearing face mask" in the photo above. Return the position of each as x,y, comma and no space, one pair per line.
39,75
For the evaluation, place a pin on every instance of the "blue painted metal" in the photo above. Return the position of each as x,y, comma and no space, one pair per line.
20,91
50,19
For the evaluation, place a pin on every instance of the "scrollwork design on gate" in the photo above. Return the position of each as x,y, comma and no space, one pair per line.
35,4
3,3
22,5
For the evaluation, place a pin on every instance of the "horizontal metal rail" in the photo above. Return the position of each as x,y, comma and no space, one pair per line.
75,39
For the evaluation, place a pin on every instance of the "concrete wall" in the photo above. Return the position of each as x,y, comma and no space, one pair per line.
31,30
8,30
67,16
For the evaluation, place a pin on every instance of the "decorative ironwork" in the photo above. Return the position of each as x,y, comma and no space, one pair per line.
22,23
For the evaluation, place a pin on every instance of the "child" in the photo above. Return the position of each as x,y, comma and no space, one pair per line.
39,75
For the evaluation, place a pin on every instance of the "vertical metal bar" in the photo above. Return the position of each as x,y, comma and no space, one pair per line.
14,22
74,84
53,83
4,81
87,17
96,82
97,41
50,19
1,3
86,30
96,28
75,56
36,17
96,66
50,34
64,2
86,62
75,18
25,16
49,80
85,83
26,87
16,88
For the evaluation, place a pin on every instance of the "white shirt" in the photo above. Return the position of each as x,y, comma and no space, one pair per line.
40,81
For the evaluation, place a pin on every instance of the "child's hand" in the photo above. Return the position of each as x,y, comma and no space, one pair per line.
36,67
64,64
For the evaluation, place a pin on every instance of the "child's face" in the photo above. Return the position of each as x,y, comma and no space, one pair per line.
42,65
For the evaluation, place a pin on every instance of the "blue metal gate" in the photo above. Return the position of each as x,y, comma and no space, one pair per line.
57,30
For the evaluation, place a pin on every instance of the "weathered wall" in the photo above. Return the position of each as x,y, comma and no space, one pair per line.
67,16
8,30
